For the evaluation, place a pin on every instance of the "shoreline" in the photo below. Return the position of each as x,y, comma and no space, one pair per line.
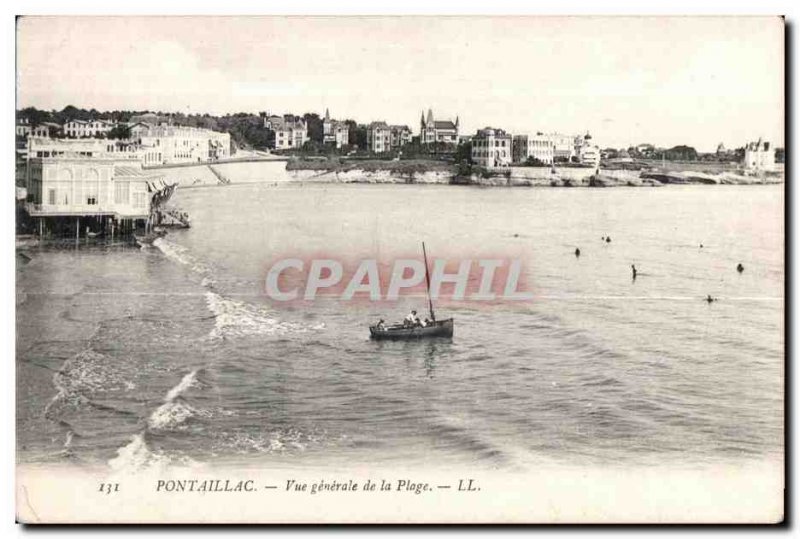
568,177
419,172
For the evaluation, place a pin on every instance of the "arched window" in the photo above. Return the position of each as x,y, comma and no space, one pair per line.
64,186
91,187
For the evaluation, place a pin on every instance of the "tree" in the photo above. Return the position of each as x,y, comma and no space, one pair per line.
681,153
315,128
33,115
352,132
464,152
532,161
361,136
313,147
119,131
71,112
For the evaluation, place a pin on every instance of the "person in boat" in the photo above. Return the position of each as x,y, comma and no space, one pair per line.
381,325
633,271
740,268
426,322
411,320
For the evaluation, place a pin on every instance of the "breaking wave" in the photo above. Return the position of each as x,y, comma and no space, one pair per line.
181,254
84,373
173,412
232,318
136,456
237,319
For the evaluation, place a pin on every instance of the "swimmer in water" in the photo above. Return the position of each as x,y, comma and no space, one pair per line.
577,252
633,271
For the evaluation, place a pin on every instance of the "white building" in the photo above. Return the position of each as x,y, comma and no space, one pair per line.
170,144
590,155
443,131
379,137
563,146
39,147
23,128
759,156
586,151
99,187
335,132
152,145
46,129
556,147
492,148
400,135
137,129
83,129
290,132
537,146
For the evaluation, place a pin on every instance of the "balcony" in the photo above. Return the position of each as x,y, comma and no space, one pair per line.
78,210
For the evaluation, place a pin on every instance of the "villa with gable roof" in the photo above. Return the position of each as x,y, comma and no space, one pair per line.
432,130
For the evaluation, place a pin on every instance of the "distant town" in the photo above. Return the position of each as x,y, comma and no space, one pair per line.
164,139
105,167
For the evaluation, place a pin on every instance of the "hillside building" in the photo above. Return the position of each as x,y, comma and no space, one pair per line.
437,131
492,148
335,132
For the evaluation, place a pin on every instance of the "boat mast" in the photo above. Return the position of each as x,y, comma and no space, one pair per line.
428,281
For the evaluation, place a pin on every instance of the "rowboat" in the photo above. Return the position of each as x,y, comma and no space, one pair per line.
439,328
434,328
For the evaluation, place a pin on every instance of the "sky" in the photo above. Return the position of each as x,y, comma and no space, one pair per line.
626,80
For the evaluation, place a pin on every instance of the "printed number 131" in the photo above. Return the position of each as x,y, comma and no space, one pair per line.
108,488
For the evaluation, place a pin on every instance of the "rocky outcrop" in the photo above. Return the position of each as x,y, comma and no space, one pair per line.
364,176
443,174
696,177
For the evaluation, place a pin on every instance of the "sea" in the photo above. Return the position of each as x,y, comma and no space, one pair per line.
130,358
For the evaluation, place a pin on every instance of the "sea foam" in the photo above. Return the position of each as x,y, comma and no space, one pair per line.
183,256
173,413
236,318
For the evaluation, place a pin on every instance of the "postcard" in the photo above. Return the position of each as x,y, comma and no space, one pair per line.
400,269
